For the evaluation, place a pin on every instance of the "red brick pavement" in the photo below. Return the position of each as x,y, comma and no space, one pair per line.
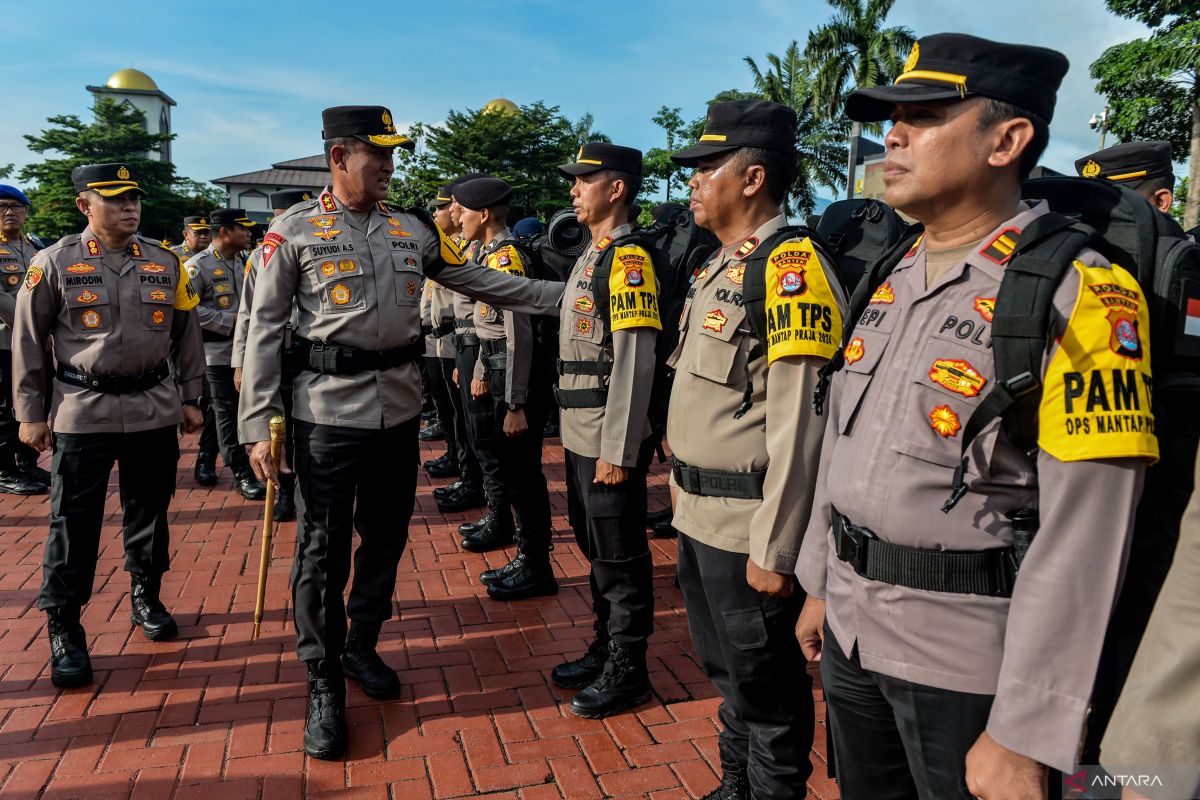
214,715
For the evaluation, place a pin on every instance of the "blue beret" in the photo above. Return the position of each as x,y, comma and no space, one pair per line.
13,193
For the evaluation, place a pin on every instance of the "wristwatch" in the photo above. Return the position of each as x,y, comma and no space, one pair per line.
516,406
194,402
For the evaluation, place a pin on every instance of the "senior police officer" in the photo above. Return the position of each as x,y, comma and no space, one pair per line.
19,472
942,666
118,309
1145,167
197,235
215,273
745,452
512,371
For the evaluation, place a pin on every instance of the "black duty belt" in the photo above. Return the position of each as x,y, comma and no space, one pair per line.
985,572
210,336
462,340
601,369
464,323
494,353
445,329
718,482
328,358
114,384
582,398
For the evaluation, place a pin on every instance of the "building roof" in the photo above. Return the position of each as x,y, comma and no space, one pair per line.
131,79
309,171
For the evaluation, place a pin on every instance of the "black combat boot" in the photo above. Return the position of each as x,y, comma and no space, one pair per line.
464,499
28,468
734,783
363,664
442,492
285,499
148,611
494,535
69,662
533,577
432,432
325,719
248,486
14,482
469,528
582,671
206,469
623,684
446,466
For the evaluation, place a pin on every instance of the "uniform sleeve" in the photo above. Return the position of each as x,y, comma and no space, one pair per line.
502,290
8,308
518,331
628,395
275,288
187,354
216,320
813,564
37,306
245,300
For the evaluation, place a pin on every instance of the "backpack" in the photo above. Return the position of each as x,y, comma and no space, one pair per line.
1125,229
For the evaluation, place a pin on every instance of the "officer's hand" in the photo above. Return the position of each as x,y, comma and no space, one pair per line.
610,474
810,628
996,773
237,378
454,376
193,419
260,462
36,435
772,584
515,423
479,388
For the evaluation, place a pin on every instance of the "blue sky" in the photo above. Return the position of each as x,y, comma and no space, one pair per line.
250,80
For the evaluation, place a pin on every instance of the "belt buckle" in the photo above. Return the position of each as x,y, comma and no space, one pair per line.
852,546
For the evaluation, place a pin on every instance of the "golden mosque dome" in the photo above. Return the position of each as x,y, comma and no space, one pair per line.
502,105
131,79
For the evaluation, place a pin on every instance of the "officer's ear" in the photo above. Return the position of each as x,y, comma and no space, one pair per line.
617,189
1162,199
1010,138
84,203
754,180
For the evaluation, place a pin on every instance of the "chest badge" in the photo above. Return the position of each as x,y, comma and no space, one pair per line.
339,294
884,294
81,268
958,376
90,318
158,317
346,265
328,268
792,282
855,350
736,274
158,294
715,320
584,303
986,306
584,326
323,227
152,267
87,296
943,420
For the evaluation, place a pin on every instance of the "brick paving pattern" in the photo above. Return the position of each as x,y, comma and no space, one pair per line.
213,715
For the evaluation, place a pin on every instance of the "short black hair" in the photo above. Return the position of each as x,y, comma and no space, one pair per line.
633,184
1148,187
780,169
348,142
995,111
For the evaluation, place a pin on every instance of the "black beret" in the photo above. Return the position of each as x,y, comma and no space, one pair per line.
955,66
370,123
445,196
197,223
595,156
228,217
466,176
289,197
742,123
109,180
1130,162
481,193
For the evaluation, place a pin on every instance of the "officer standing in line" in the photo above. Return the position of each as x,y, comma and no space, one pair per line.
19,472
1145,167
197,235
515,376
118,309
943,667
215,273
744,451
285,502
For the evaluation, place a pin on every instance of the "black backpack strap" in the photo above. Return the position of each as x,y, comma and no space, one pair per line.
754,281
1044,252
859,301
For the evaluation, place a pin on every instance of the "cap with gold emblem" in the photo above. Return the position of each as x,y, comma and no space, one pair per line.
228,217
370,123
595,156
955,66
289,197
445,196
1132,162
107,180
482,193
197,223
742,123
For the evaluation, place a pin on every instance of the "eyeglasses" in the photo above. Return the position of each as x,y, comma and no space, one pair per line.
13,208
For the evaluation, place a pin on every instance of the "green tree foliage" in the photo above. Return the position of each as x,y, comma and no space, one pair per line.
6,171
523,148
1153,84
855,50
658,163
117,134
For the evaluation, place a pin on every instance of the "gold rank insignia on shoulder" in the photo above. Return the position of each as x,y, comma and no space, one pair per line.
746,247
1000,249
135,249
603,243
217,255
328,204
93,247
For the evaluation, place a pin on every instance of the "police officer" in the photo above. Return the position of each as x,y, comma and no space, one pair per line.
516,378
1144,167
197,235
118,309
744,451
354,268
19,472
942,668
215,273
285,503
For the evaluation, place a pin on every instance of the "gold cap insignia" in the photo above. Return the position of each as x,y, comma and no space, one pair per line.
913,56
123,173
387,123
1091,169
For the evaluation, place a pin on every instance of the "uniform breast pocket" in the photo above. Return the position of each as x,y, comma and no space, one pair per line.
584,327
157,306
714,330
343,295
89,309
947,384
409,278
862,355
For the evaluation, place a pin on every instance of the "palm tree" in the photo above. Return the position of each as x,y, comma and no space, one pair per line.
855,50
820,148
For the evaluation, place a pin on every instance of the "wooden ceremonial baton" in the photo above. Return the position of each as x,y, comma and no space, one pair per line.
264,559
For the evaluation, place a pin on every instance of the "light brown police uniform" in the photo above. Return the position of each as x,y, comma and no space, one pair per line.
441,312
779,434
120,313
182,250
245,300
216,278
427,319
15,255
513,327
919,363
